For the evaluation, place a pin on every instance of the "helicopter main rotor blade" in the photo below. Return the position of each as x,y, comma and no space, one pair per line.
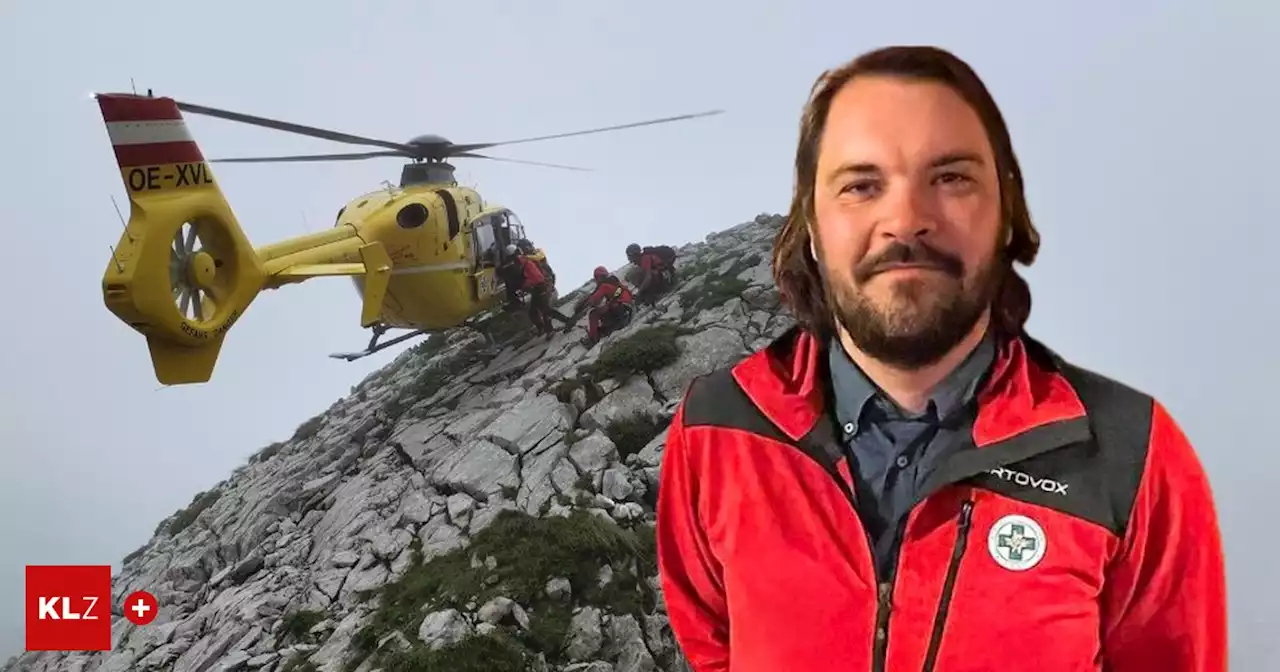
455,149
290,127
471,155
310,157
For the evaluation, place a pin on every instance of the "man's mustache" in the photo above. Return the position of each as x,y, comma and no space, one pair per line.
917,253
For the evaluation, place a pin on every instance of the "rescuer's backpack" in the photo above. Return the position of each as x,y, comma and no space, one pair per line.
619,293
546,270
665,253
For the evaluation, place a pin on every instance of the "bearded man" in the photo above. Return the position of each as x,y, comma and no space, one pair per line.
907,480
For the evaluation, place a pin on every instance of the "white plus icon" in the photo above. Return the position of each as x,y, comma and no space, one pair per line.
141,608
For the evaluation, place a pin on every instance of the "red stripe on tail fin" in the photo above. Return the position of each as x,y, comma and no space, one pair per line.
126,107
160,153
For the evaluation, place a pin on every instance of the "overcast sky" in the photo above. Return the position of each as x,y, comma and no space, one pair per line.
1147,136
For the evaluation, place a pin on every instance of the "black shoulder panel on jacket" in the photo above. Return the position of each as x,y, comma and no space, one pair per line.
717,400
1095,478
1120,418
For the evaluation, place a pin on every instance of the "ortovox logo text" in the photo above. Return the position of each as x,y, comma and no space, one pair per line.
1047,484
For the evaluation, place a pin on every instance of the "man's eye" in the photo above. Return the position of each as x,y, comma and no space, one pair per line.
954,179
862,188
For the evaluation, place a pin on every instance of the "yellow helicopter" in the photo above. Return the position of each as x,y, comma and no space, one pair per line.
424,255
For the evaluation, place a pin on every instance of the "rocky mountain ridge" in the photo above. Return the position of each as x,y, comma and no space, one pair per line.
462,509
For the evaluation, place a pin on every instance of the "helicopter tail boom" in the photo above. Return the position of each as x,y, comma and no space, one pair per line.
183,271
375,265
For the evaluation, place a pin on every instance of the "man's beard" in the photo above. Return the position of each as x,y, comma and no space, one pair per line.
925,319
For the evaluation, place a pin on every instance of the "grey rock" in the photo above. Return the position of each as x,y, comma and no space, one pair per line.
401,564
579,399
593,455
626,646
163,658
415,508
423,443
651,454
486,515
559,588
565,478
363,580
143,640
480,468
440,539
396,641
536,484
584,637
442,628
344,559
615,484
469,425
658,635
240,571
330,657
627,511
205,653
511,361
460,506
499,609
118,661
233,662
388,544
593,666
633,399
701,354
530,421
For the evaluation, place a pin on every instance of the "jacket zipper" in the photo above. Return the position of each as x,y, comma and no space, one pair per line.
884,585
884,588
949,585
884,604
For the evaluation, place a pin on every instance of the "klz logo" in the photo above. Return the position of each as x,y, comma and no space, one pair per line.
68,607
1047,484
49,609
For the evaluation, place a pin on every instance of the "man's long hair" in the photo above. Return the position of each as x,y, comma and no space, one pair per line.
796,271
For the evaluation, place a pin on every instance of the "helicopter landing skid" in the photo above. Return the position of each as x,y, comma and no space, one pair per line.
375,346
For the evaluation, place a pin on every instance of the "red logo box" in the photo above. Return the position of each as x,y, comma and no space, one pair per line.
68,607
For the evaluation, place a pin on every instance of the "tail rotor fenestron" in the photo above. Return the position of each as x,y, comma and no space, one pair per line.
183,271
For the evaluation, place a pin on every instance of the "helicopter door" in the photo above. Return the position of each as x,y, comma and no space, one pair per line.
487,256
501,231
515,227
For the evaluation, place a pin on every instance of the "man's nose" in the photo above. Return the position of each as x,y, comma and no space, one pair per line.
908,214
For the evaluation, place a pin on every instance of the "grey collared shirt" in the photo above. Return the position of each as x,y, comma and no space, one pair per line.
893,451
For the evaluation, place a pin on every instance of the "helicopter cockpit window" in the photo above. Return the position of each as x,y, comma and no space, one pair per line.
517,228
486,244
500,229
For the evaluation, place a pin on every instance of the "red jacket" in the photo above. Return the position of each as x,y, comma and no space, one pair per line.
609,290
533,276
1078,532
651,262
